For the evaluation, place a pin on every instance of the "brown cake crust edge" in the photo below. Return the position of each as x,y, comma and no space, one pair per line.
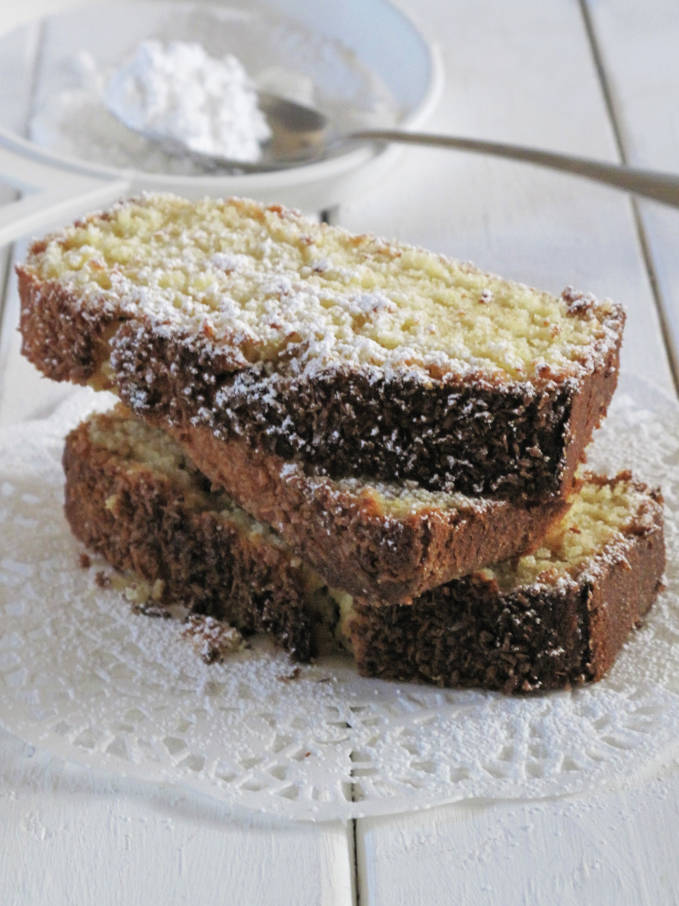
468,633
514,440
618,600
352,547
138,521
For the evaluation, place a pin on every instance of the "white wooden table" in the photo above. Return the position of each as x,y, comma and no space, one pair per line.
601,78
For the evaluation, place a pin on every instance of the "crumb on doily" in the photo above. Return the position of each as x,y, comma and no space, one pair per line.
84,561
103,579
144,597
151,610
213,639
288,677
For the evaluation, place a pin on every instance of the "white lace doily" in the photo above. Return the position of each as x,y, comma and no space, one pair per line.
86,679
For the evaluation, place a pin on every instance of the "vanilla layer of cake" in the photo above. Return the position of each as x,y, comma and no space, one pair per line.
277,288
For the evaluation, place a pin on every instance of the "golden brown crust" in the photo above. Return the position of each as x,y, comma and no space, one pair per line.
390,561
58,336
535,638
508,439
617,600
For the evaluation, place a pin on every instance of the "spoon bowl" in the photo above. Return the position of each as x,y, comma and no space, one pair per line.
299,135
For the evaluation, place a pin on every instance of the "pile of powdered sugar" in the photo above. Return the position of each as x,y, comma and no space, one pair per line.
76,121
178,93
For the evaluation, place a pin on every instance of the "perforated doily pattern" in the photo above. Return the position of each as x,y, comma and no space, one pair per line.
85,678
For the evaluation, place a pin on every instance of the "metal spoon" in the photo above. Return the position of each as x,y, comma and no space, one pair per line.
303,135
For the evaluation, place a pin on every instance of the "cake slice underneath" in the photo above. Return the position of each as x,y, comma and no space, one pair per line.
547,620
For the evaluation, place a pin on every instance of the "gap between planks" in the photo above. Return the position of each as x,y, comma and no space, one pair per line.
331,216
33,40
673,357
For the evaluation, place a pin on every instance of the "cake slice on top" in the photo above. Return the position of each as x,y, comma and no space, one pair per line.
351,355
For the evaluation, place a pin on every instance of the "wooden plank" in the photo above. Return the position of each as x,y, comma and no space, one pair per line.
638,48
69,835
521,72
16,66
603,848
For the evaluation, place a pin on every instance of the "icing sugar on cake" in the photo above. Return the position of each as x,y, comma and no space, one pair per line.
274,287
178,93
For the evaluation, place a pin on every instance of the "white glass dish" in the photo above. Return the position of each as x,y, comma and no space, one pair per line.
355,53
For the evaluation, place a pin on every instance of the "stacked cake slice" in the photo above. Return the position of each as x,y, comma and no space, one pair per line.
376,428
548,619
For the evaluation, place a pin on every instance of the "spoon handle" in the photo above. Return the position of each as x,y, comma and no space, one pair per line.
662,187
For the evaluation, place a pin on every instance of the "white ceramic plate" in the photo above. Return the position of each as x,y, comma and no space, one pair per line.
367,62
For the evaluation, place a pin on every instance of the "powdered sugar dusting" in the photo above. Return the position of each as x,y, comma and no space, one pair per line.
180,94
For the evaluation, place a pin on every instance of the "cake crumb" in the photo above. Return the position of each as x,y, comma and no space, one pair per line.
103,579
288,677
151,610
84,561
213,639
